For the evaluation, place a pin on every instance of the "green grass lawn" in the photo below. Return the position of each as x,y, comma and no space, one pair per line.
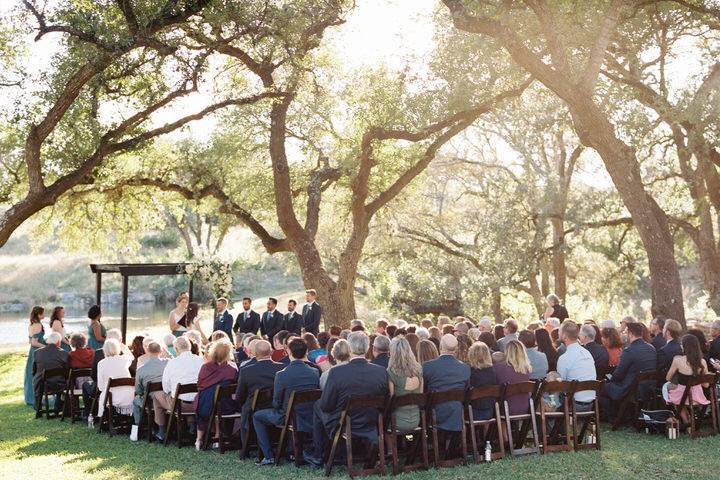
31,448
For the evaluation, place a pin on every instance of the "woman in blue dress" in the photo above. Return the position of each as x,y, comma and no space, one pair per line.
36,337
96,330
57,324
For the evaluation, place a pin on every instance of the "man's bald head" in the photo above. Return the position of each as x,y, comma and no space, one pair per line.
263,349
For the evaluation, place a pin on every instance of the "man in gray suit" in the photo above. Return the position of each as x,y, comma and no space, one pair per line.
511,328
151,371
49,357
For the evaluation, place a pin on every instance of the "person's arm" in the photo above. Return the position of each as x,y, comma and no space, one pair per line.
548,313
278,393
672,370
97,331
32,331
329,397
391,387
705,371
166,383
623,366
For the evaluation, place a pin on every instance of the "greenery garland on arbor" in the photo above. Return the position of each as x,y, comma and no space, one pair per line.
213,272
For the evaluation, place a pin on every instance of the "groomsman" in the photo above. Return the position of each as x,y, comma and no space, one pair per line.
293,320
248,321
223,318
312,311
272,320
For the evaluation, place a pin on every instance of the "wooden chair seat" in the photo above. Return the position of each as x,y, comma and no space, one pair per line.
217,420
516,446
591,418
435,399
47,391
296,398
565,391
260,397
630,398
112,418
147,413
177,417
697,412
493,392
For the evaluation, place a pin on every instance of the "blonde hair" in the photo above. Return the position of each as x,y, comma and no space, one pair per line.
220,351
479,356
516,357
402,360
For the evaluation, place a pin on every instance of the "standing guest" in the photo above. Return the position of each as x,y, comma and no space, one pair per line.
657,325
545,345
272,321
555,309
49,357
314,349
597,350
218,370
715,343
114,365
481,374
426,351
538,360
443,374
293,321
381,351
279,351
57,324
96,330
296,377
380,325
151,371
612,342
36,338
510,333
81,355
488,339
340,355
195,330
464,344
690,364
672,333
312,313
247,321
405,375
499,331
176,319
514,369
223,318
576,364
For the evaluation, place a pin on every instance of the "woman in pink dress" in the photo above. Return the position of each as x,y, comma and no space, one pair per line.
684,367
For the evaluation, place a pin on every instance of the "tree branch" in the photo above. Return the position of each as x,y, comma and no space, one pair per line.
597,54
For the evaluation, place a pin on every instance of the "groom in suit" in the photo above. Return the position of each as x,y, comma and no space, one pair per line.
272,320
223,318
293,320
248,321
312,311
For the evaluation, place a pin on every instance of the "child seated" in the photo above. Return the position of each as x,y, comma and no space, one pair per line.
551,401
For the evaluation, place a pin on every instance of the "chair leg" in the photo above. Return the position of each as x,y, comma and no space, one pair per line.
168,427
436,444
281,444
620,414
348,447
381,444
533,423
333,450
393,440
423,440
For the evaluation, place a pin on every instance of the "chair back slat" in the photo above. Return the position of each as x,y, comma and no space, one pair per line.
153,387
185,388
227,391
306,396
418,399
121,382
260,397
367,401
437,398
710,378
556,387
587,385
55,372
512,389
76,373
488,391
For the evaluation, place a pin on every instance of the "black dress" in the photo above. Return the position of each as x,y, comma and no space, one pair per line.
483,408
560,312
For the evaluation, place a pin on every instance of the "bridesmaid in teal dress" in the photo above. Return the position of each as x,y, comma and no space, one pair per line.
36,334
57,324
96,330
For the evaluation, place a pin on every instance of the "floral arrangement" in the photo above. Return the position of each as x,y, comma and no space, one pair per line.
213,272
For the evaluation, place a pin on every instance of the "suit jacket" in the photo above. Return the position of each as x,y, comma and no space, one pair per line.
500,345
637,357
311,317
47,358
443,374
658,341
293,322
251,325
599,354
299,377
224,323
254,377
151,371
382,360
666,354
271,324
354,379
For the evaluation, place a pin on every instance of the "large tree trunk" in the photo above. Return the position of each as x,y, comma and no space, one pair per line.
496,305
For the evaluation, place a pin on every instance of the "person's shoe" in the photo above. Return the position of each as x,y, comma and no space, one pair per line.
134,433
265,462
314,461
160,436
198,445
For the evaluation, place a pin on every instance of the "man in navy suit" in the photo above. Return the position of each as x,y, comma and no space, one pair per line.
672,333
638,356
443,374
381,351
248,321
272,321
657,325
293,321
312,312
598,351
223,319
356,378
298,377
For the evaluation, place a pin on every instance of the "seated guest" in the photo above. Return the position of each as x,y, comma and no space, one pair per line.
258,376
279,351
168,341
464,344
551,324
657,325
335,331
81,355
714,347
426,351
510,333
89,387
323,338
545,345
357,378
140,361
369,356
498,331
690,364
325,362
405,375
114,365
413,339
515,369
422,333
704,345
598,352
298,377
49,357
474,334
427,323
249,349
639,356
488,339
380,325
461,328
381,349
151,371
181,370
137,349
612,342
434,333
219,369
538,360
340,355
448,329
390,331
314,349
442,321
443,374
672,333
481,374
576,364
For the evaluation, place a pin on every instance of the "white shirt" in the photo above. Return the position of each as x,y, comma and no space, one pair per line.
577,364
114,367
182,369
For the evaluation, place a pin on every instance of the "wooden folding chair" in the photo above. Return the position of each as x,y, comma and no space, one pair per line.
47,391
435,399
564,390
696,412
516,446
177,416
74,394
591,417
631,400
604,371
344,430
495,393
218,419
290,425
112,417
260,397
146,411
418,434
